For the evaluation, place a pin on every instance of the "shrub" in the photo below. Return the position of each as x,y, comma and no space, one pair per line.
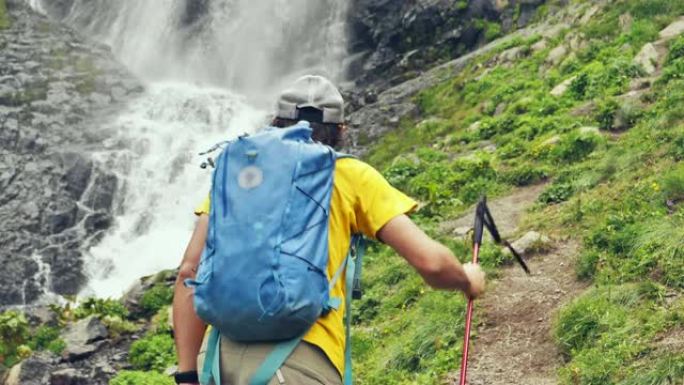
157,297
118,326
575,147
155,352
160,322
673,185
14,331
676,50
605,113
43,336
128,377
587,264
677,148
101,308
524,175
556,193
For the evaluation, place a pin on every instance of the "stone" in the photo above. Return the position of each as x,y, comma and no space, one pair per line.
577,42
673,30
626,20
556,55
540,45
32,371
552,141
531,242
78,352
101,195
68,376
591,130
512,54
647,58
640,84
78,172
491,148
461,232
474,127
500,109
83,338
562,88
591,12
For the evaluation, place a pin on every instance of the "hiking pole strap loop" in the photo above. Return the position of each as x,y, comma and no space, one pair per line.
360,248
350,273
212,360
274,361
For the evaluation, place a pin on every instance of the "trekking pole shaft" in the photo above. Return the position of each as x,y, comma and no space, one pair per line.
469,319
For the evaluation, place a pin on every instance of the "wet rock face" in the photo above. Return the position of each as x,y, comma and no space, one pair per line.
391,39
53,198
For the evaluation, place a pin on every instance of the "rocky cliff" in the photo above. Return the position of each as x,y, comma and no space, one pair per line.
54,88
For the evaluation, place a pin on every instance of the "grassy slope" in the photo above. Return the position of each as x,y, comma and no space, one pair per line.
609,190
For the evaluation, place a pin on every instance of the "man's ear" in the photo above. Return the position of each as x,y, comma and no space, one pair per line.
342,127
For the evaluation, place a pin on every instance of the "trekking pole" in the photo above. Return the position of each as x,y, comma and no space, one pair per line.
483,218
477,240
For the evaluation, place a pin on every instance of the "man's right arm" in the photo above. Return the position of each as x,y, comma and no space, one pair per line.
188,328
433,261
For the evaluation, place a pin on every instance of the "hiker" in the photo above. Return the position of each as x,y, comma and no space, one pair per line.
361,201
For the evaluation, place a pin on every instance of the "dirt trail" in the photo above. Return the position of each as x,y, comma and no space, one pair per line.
512,341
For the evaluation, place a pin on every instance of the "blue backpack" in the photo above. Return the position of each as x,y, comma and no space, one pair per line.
262,274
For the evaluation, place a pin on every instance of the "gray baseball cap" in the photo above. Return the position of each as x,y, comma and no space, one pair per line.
312,91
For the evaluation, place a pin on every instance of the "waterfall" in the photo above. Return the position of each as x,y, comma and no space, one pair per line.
212,70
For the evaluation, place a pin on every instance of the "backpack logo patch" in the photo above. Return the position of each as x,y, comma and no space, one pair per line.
250,177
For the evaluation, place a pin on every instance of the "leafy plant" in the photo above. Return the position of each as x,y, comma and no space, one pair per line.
14,331
153,352
129,377
100,307
157,297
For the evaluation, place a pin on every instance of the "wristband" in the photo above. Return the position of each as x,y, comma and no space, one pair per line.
186,377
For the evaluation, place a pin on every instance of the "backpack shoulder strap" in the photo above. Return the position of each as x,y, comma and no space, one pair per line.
352,267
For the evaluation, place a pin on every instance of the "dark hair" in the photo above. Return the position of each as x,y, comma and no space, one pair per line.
326,133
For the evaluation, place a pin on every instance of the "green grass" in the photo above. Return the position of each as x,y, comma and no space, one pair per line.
619,193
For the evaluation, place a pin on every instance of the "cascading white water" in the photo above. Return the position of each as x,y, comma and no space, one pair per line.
211,74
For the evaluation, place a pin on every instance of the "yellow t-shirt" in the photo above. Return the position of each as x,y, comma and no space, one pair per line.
362,201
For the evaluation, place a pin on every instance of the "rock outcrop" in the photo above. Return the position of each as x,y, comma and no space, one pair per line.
393,41
53,85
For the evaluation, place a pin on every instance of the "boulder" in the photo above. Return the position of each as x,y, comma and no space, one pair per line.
531,242
589,130
562,88
673,30
540,45
68,376
32,371
557,55
552,141
589,14
647,58
461,232
626,20
83,338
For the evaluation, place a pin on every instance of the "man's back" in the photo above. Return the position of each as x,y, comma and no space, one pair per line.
362,202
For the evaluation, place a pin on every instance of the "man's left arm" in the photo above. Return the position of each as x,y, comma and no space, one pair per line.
188,328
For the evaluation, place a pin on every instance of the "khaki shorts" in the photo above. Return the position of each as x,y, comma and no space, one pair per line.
307,365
